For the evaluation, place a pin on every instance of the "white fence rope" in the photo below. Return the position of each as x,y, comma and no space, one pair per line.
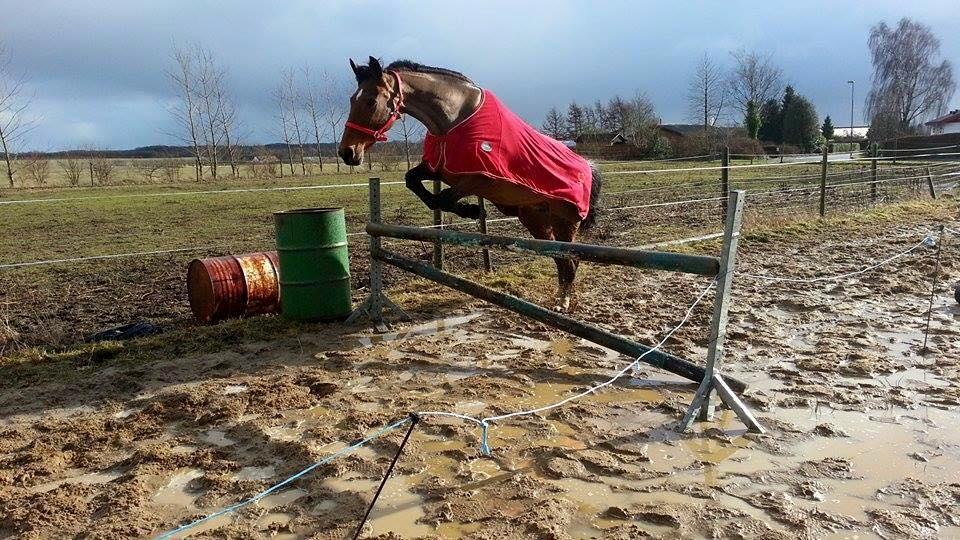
189,193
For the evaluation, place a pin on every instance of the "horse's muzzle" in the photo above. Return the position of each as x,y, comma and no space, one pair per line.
351,156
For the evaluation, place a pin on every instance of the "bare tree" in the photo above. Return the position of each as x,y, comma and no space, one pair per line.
72,169
554,124
186,112
707,94
313,109
295,101
282,101
229,126
36,168
910,81
209,85
754,78
333,98
101,168
14,123
411,131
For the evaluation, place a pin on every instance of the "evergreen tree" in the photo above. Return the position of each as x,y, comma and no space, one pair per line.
789,95
800,124
752,120
827,128
770,125
576,120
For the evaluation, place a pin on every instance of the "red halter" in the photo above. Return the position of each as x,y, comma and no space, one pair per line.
381,134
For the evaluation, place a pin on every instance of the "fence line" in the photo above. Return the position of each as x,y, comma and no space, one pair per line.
761,193
188,193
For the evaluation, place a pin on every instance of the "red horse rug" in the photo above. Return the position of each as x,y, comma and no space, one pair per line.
496,143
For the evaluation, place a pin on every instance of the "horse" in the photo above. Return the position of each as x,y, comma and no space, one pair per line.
476,146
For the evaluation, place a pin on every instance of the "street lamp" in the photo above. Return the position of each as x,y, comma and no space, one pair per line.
851,118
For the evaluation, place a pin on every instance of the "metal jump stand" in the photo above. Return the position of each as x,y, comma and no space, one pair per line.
721,269
702,406
373,305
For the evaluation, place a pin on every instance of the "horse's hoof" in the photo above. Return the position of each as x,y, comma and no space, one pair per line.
564,305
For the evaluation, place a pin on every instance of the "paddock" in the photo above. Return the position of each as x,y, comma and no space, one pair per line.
834,372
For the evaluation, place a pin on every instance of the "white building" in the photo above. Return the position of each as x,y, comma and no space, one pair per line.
844,131
948,123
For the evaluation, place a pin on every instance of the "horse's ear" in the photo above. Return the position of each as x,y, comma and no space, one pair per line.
356,70
375,67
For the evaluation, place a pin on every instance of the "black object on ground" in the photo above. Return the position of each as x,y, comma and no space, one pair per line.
127,331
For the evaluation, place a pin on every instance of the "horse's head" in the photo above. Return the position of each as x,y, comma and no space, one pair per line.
374,107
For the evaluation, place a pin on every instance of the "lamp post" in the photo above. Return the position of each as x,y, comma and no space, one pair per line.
851,118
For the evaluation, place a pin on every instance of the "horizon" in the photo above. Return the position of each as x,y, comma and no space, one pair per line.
102,82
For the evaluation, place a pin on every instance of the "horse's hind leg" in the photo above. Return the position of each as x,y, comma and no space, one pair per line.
566,231
538,221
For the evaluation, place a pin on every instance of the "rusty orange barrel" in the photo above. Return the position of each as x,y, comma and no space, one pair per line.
234,286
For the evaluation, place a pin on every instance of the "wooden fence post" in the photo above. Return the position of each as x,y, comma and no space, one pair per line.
823,182
724,181
90,166
437,224
487,266
874,174
933,192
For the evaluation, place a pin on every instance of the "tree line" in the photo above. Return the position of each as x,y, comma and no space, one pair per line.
911,83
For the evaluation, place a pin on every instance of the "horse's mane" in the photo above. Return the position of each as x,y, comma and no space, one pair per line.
409,65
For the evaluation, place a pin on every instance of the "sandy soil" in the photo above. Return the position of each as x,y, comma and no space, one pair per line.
862,438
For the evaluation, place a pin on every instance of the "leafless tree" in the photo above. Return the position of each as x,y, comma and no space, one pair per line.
333,99
554,124
313,108
72,169
707,93
101,168
295,102
282,100
14,123
754,78
910,81
229,126
411,131
209,85
187,111
36,168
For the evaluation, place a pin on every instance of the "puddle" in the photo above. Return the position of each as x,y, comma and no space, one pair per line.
175,492
397,510
77,478
217,437
432,327
256,473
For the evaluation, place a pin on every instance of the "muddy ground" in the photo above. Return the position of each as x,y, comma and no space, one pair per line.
862,436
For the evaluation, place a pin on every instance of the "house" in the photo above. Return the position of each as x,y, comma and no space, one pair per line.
676,133
948,123
601,139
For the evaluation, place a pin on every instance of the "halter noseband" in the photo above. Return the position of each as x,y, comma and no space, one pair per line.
381,134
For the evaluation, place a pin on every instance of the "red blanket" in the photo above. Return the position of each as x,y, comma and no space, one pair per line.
496,143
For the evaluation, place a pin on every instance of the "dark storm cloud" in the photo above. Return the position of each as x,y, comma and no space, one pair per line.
97,68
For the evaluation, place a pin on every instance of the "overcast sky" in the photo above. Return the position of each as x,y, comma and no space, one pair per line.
96,68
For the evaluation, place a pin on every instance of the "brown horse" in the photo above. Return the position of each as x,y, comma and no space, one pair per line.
442,99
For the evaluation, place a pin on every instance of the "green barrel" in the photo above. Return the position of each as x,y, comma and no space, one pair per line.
314,264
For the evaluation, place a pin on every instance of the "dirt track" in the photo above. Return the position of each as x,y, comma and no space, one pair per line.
862,428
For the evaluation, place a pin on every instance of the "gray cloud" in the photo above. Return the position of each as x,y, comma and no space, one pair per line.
97,68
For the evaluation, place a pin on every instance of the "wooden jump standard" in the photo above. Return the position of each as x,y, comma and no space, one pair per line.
709,377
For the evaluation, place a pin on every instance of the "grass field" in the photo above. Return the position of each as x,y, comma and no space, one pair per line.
48,307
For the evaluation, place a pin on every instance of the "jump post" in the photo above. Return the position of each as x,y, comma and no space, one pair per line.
720,269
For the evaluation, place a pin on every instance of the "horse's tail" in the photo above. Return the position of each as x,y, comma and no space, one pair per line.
595,204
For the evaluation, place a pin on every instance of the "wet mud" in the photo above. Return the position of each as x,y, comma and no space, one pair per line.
861,443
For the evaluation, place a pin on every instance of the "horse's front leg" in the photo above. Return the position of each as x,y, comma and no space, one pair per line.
448,200
414,180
